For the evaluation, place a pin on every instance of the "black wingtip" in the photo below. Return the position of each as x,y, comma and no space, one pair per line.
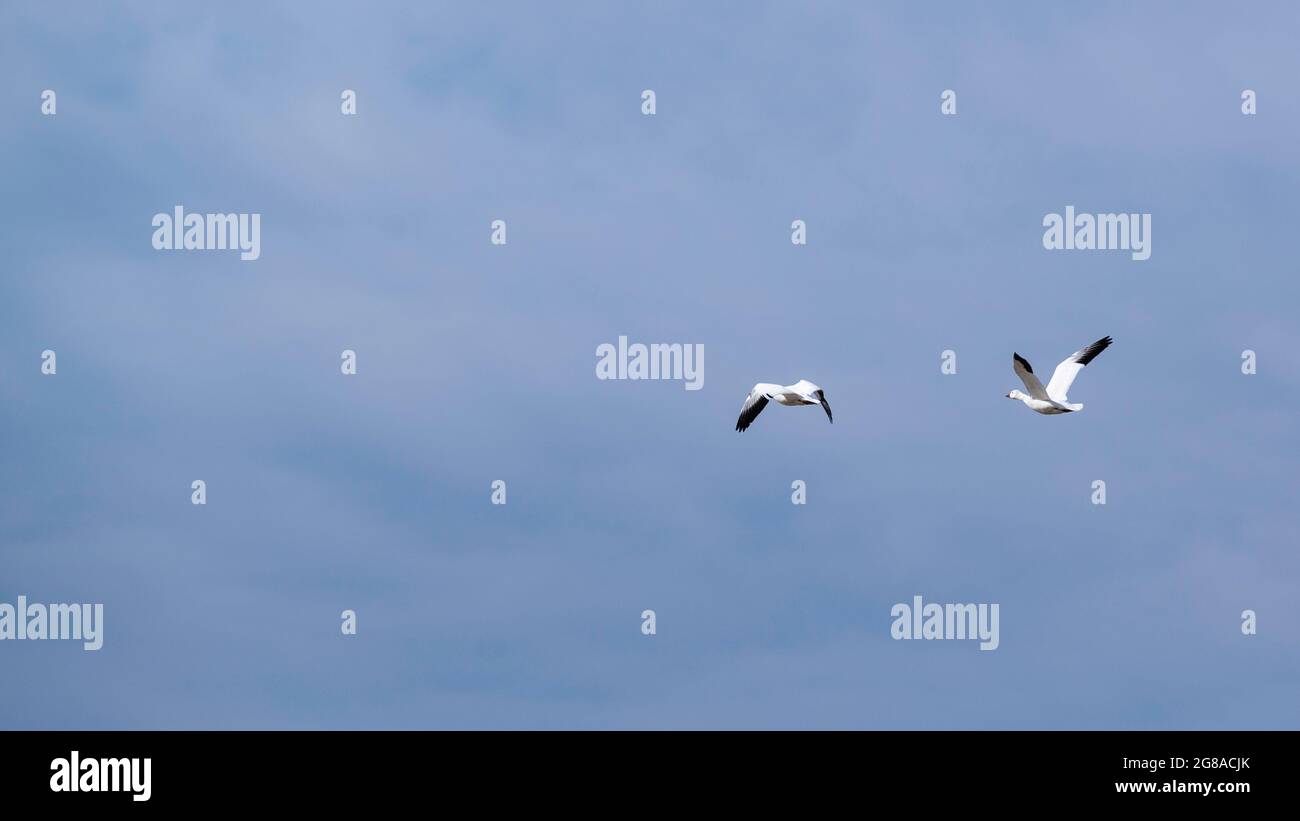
1023,362
1090,353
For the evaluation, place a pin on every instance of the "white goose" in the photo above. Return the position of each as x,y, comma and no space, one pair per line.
802,392
1053,399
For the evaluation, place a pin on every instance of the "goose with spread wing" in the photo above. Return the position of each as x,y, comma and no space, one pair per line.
802,392
1053,399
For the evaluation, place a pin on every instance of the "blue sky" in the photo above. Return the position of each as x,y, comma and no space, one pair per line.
476,363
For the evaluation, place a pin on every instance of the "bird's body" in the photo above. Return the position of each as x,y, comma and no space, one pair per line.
802,392
1046,406
1053,399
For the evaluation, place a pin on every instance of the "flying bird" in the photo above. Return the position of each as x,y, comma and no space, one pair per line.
1053,399
802,392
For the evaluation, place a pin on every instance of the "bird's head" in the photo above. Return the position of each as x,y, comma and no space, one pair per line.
1013,394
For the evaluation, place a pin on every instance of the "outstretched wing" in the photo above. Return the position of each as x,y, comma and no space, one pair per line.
1063,376
1026,374
754,404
